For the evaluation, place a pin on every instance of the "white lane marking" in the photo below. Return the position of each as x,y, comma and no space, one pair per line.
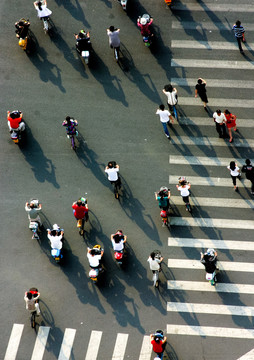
212,64
248,356
120,346
13,344
206,45
211,141
211,309
210,222
211,181
200,121
206,286
40,343
214,83
226,8
220,202
203,160
65,351
222,265
210,331
218,103
208,25
146,349
211,243
93,346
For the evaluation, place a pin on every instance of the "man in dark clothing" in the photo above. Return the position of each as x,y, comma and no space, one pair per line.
248,169
83,41
201,91
239,34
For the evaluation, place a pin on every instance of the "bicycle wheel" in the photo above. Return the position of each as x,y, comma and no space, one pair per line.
116,190
175,112
116,54
156,278
33,319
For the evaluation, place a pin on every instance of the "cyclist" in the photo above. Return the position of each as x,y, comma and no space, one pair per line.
112,169
22,28
163,197
83,41
159,342
42,10
184,187
80,209
70,124
154,262
171,94
32,210
118,240
55,237
31,298
114,40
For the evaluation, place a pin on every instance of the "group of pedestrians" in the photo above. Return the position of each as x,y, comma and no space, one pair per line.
235,173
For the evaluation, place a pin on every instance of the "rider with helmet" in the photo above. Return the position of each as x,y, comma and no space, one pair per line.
118,240
112,170
94,257
55,237
15,122
83,41
32,210
209,260
144,25
163,197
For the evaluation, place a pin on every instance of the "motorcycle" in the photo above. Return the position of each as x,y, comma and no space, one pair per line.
209,260
163,197
123,4
56,253
164,217
83,40
95,273
33,224
142,21
16,117
22,32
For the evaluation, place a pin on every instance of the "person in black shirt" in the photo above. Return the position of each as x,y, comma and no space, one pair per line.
83,41
200,90
22,28
248,169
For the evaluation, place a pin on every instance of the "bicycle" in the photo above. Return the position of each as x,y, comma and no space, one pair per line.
156,272
72,137
117,187
116,53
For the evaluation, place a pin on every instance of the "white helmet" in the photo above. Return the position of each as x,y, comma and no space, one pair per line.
143,21
55,227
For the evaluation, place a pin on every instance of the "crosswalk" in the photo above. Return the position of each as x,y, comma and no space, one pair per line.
209,50
65,352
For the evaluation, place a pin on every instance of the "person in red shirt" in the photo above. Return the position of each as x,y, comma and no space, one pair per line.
15,120
159,343
144,26
80,209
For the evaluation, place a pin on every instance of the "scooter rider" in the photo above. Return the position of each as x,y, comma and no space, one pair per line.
83,41
209,260
163,197
80,209
144,26
32,211
94,257
118,240
154,262
55,237
15,122
22,28
112,169
70,124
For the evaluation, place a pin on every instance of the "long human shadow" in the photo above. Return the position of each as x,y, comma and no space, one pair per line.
42,167
75,11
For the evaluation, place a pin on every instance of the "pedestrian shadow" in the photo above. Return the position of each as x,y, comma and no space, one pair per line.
75,10
93,231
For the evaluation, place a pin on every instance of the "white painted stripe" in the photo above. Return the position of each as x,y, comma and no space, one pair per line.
206,286
207,181
210,222
93,346
203,160
210,331
146,349
211,243
214,83
13,344
40,343
65,351
222,265
218,103
238,8
210,141
214,202
206,25
213,64
206,45
120,346
211,309
248,356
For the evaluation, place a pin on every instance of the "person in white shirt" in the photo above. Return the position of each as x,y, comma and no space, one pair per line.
94,257
154,262
171,94
31,299
220,121
165,116
234,172
42,10
118,240
184,187
55,237
112,170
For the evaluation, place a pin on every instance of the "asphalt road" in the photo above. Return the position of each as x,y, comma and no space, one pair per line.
115,107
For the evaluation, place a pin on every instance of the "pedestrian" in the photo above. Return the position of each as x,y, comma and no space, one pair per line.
248,169
220,121
200,90
171,94
165,116
230,123
239,34
235,173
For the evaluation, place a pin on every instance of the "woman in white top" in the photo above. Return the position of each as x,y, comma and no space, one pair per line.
184,187
171,94
118,240
235,173
42,10
154,261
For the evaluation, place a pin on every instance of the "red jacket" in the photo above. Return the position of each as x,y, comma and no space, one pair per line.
80,211
14,123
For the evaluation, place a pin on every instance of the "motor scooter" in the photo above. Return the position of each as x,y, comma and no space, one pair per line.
56,253
33,224
123,4
209,260
147,38
95,273
164,218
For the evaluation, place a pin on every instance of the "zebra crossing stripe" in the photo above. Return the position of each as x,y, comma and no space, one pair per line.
222,265
146,349
211,181
218,103
241,8
214,223
248,356
120,346
210,331
65,351
210,309
220,202
13,344
203,160
212,64
201,121
206,286
208,25
211,141
40,343
214,83
211,243
93,346
206,45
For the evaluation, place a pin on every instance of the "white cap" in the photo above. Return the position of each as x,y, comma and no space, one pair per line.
55,227
143,21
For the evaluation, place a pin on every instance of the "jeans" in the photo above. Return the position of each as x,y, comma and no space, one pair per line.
165,128
239,40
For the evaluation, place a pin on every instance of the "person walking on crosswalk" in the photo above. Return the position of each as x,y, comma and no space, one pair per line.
220,121
200,90
235,173
165,116
239,34
248,169
230,123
